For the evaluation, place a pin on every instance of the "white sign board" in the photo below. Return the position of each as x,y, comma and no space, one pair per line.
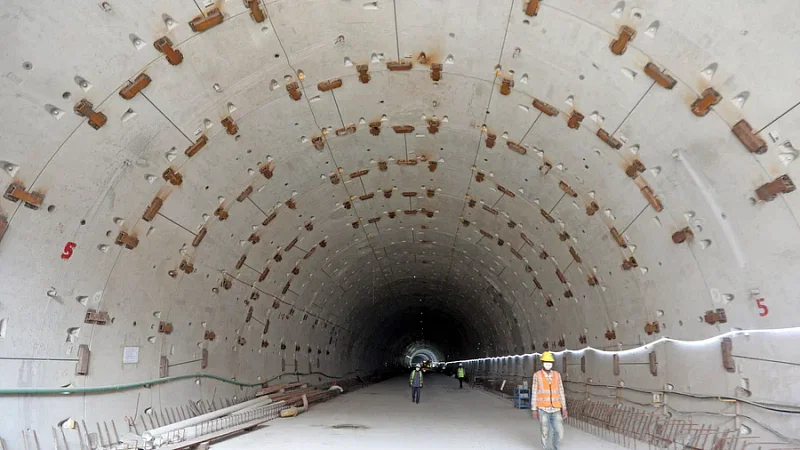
130,355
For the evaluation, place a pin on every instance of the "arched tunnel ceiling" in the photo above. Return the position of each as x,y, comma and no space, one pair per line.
510,218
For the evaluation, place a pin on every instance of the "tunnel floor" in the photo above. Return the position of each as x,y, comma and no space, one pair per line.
383,415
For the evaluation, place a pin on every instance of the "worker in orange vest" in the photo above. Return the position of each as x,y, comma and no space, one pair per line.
549,404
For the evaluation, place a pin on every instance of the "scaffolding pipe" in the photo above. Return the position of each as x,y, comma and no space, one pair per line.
149,436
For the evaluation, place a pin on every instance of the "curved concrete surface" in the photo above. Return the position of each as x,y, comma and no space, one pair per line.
546,175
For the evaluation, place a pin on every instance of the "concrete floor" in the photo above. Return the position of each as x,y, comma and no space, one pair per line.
382,416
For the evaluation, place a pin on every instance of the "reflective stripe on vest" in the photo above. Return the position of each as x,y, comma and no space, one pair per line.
548,395
411,378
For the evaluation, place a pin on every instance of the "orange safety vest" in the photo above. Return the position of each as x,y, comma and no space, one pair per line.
548,395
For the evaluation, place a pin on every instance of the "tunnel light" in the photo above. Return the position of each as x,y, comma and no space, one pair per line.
647,347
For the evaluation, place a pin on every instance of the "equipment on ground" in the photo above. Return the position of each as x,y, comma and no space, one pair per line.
522,397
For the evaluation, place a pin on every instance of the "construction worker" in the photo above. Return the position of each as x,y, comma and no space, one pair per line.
415,381
549,405
460,373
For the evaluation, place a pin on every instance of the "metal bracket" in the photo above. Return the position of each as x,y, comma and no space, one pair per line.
128,241
267,170
211,19
230,126
651,328
505,87
659,76
727,355
164,45
399,65
163,367
546,108
506,191
329,85
16,192
96,317
744,132
681,236
255,11
221,213
532,8
575,120
713,317
293,89
436,72
433,126
199,238
647,191
263,275
165,327
132,88
375,128
84,356
634,169
403,129
186,267
618,237
84,108
620,44
575,255
605,137
781,185
363,74
630,263
318,142
194,148
490,139
244,194
567,189
516,147
703,104
152,210
172,176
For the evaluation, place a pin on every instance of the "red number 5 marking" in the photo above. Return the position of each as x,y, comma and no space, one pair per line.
67,253
762,307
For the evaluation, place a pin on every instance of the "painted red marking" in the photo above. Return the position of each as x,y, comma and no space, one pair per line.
762,307
67,253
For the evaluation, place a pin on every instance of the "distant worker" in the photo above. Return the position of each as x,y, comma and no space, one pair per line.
460,374
550,406
416,384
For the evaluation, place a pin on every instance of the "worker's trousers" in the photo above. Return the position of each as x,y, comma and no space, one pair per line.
415,394
552,428
460,383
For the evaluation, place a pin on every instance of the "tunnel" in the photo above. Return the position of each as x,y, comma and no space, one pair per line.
206,198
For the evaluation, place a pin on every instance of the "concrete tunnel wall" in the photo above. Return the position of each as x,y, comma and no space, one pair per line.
503,230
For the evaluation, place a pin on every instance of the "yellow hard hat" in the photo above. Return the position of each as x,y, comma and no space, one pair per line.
548,357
